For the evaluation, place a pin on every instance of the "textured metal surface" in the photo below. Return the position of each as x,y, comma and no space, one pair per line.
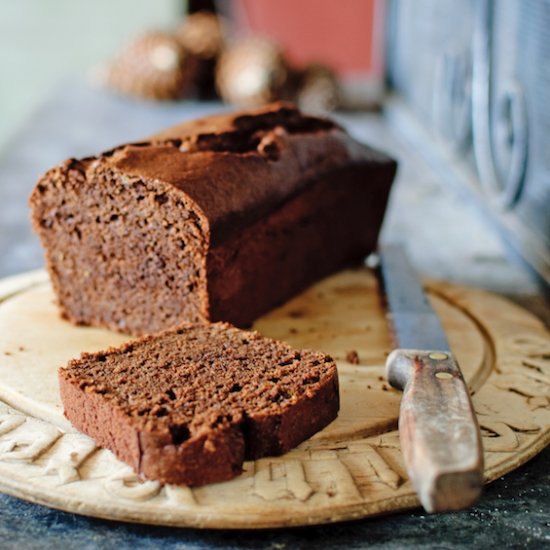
476,75
523,71
430,62
415,324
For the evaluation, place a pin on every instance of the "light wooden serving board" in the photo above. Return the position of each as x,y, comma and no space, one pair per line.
352,469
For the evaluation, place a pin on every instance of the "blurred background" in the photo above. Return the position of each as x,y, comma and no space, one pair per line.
45,43
457,90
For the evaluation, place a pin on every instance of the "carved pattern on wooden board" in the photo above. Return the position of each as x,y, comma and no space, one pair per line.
333,476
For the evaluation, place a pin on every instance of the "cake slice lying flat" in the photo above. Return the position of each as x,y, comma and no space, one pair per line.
189,405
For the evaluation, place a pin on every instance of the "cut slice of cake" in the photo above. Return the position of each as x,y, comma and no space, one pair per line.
189,405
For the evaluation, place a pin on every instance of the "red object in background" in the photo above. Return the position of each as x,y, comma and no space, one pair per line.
344,34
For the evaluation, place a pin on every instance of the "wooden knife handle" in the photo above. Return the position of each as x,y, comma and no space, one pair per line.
438,429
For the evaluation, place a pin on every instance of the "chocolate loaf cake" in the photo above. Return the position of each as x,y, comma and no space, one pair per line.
188,405
223,218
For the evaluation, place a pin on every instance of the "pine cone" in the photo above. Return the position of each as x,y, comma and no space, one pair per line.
317,89
153,66
252,72
202,35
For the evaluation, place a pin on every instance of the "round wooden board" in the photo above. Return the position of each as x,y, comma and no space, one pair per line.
352,469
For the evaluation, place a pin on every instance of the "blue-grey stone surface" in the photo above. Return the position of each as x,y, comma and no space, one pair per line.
446,238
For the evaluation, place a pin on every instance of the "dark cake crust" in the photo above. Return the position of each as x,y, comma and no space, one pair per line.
189,405
218,219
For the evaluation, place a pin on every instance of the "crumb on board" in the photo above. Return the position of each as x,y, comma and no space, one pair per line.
352,357
296,314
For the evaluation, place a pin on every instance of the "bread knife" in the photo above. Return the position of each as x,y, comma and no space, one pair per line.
438,429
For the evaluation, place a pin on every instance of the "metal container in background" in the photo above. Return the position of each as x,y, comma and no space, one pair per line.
472,81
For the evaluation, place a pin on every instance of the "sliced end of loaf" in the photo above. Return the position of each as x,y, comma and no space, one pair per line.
122,252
